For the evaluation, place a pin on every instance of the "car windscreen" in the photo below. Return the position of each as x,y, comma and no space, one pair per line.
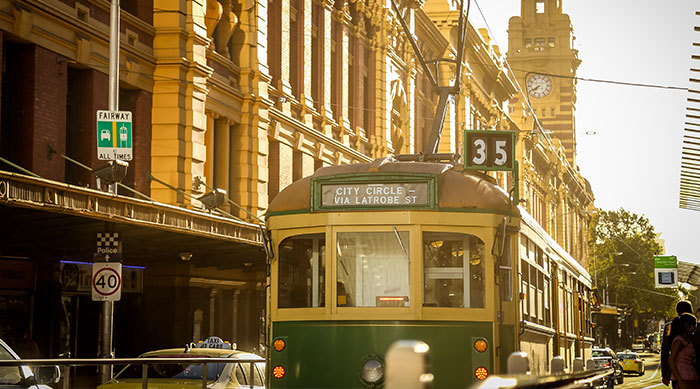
601,353
187,371
626,356
9,375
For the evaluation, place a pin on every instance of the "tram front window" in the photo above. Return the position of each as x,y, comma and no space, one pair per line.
302,271
454,270
373,269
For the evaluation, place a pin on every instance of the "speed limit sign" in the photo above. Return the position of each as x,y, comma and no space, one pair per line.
106,281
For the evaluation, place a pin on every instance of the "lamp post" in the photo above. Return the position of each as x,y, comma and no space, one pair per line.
595,265
625,312
607,294
595,270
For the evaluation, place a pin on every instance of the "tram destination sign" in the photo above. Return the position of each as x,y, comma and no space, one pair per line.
375,194
374,191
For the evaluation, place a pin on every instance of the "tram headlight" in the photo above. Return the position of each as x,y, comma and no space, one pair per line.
481,373
372,371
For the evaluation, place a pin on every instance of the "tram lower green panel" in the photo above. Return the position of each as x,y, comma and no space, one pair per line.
329,354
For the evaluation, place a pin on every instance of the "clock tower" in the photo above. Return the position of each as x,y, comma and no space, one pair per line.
541,54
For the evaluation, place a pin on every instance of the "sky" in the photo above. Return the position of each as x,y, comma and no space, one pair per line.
633,159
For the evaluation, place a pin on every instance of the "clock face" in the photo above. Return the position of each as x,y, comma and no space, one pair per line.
539,85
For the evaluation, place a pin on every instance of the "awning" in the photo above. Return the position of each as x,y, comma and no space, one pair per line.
689,273
39,215
690,160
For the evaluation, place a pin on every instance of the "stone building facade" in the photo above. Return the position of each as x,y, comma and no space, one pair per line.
240,96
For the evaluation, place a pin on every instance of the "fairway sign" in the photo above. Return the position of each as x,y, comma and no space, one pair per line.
114,138
106,281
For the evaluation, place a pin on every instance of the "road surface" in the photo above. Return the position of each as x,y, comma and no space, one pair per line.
650,379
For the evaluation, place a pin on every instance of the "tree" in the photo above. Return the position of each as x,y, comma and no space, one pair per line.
623,246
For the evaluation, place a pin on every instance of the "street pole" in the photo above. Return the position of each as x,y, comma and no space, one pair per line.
114,56
108,306
595,264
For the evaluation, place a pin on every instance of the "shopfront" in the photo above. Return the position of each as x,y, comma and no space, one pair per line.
186,274
17,285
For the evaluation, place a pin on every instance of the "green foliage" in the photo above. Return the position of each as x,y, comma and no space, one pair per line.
622,248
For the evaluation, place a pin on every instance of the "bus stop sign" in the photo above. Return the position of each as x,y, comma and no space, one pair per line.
665,271
114,135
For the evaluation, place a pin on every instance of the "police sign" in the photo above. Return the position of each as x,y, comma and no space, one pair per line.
114,135
109,247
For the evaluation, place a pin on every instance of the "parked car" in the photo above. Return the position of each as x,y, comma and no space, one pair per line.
631,362
605,358
23,376
190,375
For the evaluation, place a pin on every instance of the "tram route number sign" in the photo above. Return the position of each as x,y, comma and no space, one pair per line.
489,150
106,281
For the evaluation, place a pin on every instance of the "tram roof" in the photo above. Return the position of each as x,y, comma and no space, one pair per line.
457,188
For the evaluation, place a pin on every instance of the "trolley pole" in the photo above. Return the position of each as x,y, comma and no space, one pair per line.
108,306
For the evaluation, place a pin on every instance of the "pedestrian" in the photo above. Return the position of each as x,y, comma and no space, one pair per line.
681,308
695,339
682,358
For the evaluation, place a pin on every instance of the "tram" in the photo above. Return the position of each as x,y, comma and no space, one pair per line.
372,253
368,254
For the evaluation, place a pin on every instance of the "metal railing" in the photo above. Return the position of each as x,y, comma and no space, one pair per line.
408,367
583,379
144,362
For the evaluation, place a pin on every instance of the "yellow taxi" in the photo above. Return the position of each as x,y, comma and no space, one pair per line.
631,362
183,375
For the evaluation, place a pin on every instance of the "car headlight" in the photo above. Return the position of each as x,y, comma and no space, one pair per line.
372,371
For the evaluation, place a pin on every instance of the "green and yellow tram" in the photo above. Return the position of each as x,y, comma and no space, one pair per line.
368,254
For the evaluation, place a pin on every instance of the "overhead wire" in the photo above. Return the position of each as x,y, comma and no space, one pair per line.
184,193
515,80
447,19
119,184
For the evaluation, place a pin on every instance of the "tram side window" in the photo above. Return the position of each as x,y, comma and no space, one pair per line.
373,269
302,271
506,272
454,270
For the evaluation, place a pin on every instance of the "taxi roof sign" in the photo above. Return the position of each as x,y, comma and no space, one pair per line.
214,342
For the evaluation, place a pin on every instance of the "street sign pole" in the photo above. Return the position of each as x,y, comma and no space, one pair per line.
108,306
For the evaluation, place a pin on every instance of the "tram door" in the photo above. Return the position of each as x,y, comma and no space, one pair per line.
506,312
